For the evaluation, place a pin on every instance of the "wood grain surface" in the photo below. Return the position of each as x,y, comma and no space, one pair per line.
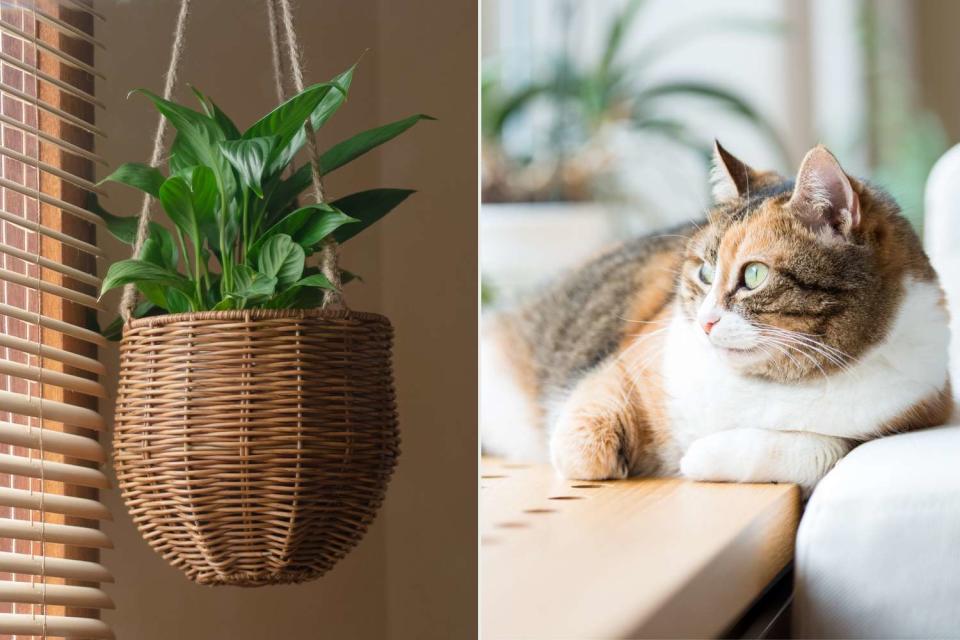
661,557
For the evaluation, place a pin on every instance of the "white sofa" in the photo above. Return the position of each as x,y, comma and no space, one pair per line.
878,550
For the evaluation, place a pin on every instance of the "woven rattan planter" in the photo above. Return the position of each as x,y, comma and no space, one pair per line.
255,447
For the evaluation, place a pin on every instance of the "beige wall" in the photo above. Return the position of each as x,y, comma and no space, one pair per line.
414,576
936,54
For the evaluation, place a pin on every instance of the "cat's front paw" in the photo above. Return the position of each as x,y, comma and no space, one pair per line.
588,447
726,456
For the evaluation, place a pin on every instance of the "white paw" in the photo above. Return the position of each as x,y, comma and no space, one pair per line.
588,448
727,456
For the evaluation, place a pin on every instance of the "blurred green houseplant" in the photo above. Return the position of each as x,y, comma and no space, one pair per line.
240,240
610,91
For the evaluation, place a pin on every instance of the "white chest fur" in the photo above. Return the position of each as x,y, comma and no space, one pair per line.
705,395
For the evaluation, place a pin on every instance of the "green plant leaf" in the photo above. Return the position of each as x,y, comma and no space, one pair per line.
316,280
211,294
139,176
618,31
497,115
114,331
287,190
319,226
333,99
287,120
160,249
155,293
250,158
250,285
205,197
327,107
124,271
355,146
367,207
723,97
281,258
196,142
213,112
227,304
307,226
303,294
209,162
177,199
178,302
123,228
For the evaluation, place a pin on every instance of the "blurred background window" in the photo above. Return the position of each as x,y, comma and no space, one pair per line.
598,117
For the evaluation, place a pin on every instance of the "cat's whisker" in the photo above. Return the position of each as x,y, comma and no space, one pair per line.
834,355
784,352
800,351
622,358
772,359
839,364
634,372
820,349
809,337
802,347
665,321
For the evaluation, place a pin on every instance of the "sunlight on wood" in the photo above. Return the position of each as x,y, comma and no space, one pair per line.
660,557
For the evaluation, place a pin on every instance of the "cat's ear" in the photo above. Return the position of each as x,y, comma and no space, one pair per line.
730,177
823,197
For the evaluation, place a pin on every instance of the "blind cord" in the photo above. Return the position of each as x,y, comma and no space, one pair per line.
39,279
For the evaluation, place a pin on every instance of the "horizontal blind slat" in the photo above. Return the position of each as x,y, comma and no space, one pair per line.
53,265
54,503
56,53
49,287
58,626
86,7
68,444
70,241
51,410
26,564
55,594
52,353
80,212
49,139
68,28
57,533
59,84
58,471
51,377
46,167
65,328
67,117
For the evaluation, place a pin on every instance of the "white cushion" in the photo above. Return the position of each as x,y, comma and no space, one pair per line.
878,549
942,241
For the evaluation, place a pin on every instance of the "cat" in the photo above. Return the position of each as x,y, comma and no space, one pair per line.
801,319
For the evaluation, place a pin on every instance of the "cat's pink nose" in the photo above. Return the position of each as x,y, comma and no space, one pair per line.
708,326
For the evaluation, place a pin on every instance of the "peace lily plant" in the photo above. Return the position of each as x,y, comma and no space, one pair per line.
240,240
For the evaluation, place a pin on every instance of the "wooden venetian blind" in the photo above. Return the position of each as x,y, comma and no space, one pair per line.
50,573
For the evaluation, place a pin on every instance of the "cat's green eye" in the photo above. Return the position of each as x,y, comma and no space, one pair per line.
706,273
755,274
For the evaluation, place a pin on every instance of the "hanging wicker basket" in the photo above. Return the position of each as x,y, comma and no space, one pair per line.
254,447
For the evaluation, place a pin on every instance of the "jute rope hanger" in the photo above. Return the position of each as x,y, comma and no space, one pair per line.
329,254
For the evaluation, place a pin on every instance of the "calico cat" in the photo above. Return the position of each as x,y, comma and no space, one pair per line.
801,319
